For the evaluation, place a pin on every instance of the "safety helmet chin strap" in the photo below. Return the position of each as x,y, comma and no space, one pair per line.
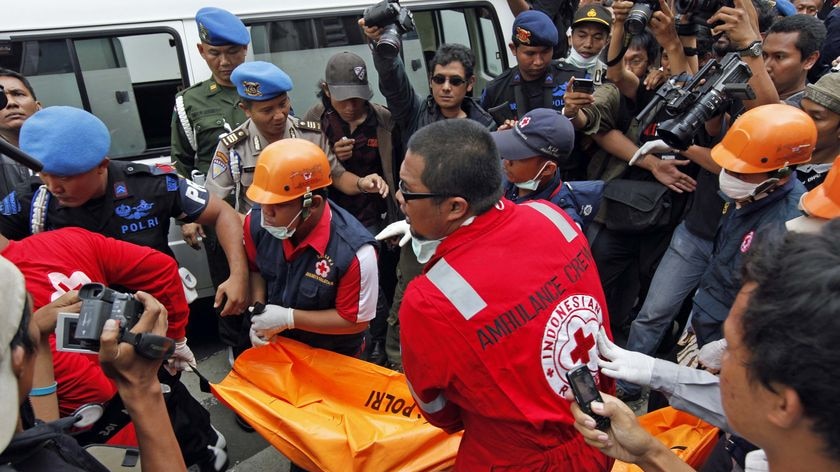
768,185
307,205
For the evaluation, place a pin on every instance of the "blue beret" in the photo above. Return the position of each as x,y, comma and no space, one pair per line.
260,80
534,28
218,27
67,140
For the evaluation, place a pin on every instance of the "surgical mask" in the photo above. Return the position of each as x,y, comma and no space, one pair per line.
280,232
424,249
577,60
736,188
533,183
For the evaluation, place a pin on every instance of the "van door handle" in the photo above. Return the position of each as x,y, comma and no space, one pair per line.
121,96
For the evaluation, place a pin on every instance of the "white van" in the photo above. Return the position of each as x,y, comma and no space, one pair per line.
125,61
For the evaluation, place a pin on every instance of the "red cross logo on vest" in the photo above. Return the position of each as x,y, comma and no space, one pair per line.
322,268
584,342
569,339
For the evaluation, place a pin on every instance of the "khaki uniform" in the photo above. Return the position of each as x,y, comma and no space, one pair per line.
203,113
232,169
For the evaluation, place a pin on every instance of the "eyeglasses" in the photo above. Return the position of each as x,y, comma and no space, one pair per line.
415,195
455,80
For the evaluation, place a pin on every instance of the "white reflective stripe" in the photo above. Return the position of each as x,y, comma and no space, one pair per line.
433,406
559,221
457,290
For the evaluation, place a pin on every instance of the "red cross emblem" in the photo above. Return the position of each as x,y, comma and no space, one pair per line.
322,268
583,343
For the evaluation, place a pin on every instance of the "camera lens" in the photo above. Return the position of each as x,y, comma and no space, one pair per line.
388,45
638,18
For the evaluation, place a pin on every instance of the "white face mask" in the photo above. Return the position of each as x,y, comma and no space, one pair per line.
424,249
736,188
577,60
280,232
533,183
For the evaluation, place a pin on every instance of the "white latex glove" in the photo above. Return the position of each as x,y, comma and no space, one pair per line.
256,341
711,354
397,228
274,319
622,364
182,359
756,461
650,147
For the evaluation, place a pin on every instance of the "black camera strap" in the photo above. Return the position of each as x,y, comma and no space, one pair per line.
625,44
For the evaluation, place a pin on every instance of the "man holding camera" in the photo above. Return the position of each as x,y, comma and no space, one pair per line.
27,445
129,201
451,80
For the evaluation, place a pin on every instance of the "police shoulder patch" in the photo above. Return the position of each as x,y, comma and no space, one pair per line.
230,139
309,125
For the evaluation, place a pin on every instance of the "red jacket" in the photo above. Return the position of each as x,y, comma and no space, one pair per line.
54,262
506,306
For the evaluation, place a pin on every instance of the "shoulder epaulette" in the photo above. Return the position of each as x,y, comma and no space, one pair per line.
157,169
309,125
230,139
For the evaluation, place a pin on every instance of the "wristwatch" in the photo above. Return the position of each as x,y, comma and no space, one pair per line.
753,50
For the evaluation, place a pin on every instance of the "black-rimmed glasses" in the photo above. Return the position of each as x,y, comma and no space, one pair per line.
455,80
407,195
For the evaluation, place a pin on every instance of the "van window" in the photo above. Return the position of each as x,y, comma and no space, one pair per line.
302,47
129,81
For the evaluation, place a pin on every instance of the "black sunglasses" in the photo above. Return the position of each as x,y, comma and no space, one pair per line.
415,195
455,80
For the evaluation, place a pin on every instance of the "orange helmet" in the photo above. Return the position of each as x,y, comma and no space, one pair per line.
823,201
767,138
288,169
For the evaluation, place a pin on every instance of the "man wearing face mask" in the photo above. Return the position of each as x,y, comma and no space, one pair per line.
761,192
531,152
313,264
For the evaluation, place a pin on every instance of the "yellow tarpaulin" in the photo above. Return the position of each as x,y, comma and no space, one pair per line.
326,411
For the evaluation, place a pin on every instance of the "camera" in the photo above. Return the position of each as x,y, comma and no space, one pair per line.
639,16
704,96
701,10
395,20
100,304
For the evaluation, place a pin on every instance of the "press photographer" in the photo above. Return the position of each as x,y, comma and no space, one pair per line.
33,445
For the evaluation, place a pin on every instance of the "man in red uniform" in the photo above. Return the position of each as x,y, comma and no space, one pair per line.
509,301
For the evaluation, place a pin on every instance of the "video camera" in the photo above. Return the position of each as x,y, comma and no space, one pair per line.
395,20
99,304
703,97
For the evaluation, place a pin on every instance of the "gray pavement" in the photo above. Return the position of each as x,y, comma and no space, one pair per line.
247,452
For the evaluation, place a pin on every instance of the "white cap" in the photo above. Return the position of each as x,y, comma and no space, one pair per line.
13,296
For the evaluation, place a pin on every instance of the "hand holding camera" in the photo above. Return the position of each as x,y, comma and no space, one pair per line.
120,359
740,23
82,332
384,23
